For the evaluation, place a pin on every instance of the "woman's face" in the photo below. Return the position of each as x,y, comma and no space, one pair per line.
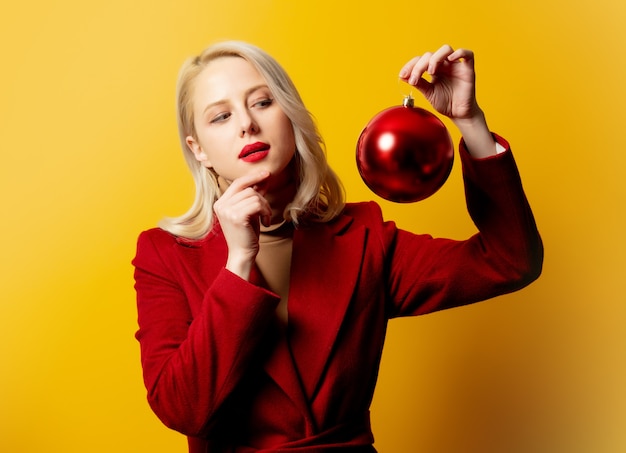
239,126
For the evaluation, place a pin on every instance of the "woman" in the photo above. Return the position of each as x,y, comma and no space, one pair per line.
263,309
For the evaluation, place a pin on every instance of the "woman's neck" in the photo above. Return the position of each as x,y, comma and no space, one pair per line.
279,195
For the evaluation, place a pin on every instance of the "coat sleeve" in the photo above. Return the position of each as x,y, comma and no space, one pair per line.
192,363
426,274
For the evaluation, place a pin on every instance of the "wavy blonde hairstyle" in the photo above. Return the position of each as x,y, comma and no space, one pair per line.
320,196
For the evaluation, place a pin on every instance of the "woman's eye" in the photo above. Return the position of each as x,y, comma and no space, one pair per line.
263,103
221,117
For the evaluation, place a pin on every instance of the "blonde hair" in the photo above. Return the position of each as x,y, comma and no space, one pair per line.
320,195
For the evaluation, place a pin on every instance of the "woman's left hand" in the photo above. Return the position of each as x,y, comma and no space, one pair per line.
451,90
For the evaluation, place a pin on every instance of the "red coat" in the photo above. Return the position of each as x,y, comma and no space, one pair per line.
218,369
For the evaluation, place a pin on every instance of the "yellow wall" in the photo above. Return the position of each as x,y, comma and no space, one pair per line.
90,157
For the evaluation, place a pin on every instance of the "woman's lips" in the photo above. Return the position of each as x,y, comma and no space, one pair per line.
254,152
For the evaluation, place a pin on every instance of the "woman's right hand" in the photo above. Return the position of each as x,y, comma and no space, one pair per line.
240,210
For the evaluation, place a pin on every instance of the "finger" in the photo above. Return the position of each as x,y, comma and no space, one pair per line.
237,201
405,72
261,187
249,180
416,69
256,210
260,207
424,86
252,208
244,213
439,57
462,55
233,197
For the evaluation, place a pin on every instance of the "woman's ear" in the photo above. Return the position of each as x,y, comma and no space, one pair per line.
197,151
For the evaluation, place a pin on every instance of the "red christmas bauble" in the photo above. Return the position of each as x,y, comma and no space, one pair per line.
405,153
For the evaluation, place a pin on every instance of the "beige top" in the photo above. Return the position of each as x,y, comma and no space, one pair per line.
274,262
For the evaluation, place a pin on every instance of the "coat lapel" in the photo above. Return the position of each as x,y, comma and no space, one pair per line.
325,268
281,368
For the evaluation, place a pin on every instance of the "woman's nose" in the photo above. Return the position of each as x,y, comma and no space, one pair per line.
248,125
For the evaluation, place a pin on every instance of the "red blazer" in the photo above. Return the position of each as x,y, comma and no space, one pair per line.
219,369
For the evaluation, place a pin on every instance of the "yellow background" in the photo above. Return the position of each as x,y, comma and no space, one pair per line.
89,158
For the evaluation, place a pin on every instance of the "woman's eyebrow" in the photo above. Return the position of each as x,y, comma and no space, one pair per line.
247,93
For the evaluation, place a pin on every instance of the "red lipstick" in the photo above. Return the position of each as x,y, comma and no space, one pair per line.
254,152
